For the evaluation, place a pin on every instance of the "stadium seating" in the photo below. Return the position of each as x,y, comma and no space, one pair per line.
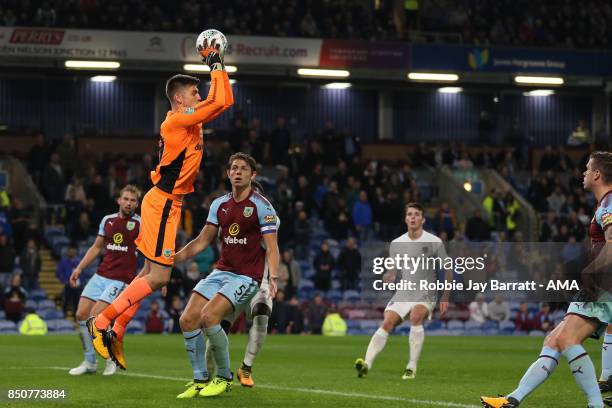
135,327
8,327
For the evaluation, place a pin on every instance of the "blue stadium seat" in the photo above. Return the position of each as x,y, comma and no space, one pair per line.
31,304
507,327
369,326
536,333
7,327
434,325
135,327
351,296
2,315
306,283
38,295
471,327
333,295
46,304
64,325
455,325
305,293
403,329
490,324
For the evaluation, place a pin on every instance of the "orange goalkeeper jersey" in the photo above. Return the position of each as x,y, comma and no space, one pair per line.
181,143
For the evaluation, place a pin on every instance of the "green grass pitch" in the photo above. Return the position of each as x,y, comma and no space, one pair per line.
292,371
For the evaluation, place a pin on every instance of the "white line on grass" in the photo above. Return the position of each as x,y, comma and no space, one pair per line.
304,390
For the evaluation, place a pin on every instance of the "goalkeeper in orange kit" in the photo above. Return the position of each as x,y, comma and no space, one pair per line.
181,147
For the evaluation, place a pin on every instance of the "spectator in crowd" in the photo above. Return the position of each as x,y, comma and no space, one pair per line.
303,230
69,261
362,216
15,297
340,228
154,322
30,264
175,311
349,265
289,273
447,220
556,200
296,317
549,228
76,192
83,229
191,278
323,264
479,310
523,320
477,229
279,319
280,141
543,320
38,157
19,218
316,314
53,181
498,310
7,259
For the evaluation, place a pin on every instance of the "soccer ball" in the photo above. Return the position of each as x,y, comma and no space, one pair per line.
209,37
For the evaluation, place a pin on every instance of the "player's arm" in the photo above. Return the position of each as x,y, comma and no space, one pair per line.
198,244
92,253
229,97
273,257
207,109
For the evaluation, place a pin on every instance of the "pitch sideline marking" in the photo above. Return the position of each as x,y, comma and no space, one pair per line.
295,389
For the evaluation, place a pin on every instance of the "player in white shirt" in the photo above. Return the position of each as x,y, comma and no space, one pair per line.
416,306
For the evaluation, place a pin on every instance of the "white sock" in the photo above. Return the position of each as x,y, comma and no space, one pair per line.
377,343
606,358
257,335
416,340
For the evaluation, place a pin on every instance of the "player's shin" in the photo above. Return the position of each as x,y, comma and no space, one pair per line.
584,373
377,344
90,354
416,340
537,373
220,348
257,336
123,319
194,346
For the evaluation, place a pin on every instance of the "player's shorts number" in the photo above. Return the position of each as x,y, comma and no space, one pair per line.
240,291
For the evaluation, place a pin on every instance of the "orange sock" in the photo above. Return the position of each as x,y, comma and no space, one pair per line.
123,319
138,290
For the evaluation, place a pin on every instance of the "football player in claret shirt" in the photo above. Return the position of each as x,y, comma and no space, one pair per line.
583,319
116,237
181,147
246,224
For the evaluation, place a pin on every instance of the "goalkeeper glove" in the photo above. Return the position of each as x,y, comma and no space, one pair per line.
212,56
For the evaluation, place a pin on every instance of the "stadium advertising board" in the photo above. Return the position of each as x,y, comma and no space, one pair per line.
362,54
501,59
148,46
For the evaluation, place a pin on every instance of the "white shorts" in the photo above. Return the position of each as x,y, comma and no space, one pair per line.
403,308
260,297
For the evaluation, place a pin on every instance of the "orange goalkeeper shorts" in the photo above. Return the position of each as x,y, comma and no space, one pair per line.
160,216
